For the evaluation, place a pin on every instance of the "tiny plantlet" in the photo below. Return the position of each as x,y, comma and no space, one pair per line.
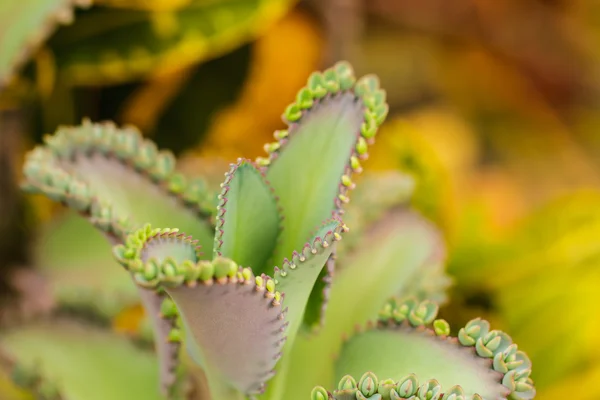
274,287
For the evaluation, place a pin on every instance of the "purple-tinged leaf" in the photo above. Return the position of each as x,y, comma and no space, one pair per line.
233,319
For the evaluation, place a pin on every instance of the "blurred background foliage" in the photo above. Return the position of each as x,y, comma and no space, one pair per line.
494,111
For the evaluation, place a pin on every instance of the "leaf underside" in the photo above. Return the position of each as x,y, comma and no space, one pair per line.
167,351
248,220
233,322
239,333
85,363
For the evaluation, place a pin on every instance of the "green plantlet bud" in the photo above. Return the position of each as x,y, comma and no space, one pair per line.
381,113
346,181
262,161
385,387
355,164
316,84
319,393
368,384
224,267
174,336
272,147
368,129
280,134
207,270
259,282
361,146
270,286
441,327
151,269
408,386
304,99
247,274
164,165
176,183
346,383
292,113
454,393
168,309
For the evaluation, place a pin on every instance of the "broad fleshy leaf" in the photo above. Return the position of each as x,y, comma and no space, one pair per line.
234,318
407,339
297,275
310,166
84,363
76,259
369,386
248,219
330,125
25,24
401,254
109,46
118,180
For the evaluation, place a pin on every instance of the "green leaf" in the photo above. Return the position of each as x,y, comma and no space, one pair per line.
86,363
481,361
80,269
296,278
310,166
297,275
118,180
108,46
233,320
389,262
23,27
248,220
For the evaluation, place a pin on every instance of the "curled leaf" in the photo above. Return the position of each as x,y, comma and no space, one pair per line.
483,362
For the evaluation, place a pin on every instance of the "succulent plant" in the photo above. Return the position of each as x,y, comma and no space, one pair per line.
245,279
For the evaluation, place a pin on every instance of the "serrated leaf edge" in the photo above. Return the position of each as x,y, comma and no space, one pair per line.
222,197
44,175
512,366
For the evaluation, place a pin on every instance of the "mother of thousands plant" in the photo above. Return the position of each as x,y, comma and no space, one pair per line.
245,288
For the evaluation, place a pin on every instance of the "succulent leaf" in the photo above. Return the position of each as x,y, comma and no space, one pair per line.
297,275
369,386
329,127
163,319
226,311
108,46
248,219
481,361
118,180
398,250
85,362
25,24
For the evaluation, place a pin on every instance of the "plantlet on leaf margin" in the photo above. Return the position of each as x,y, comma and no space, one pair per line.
272,242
